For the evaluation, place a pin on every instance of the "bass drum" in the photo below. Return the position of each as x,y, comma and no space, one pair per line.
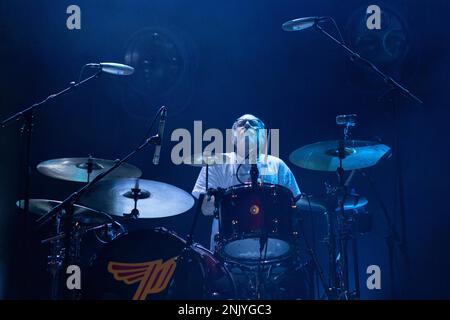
153,265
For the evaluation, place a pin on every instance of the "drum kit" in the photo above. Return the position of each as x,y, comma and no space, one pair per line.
257,248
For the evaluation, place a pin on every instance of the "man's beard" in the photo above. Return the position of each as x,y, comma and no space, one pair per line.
247,148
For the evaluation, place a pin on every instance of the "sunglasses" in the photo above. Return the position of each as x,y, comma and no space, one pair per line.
255,123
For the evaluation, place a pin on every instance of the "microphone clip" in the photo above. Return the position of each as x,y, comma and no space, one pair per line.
155,140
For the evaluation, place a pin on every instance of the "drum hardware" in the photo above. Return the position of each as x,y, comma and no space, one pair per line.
339,285
135,194
67,209
55,260
394,91
341,290
108,232
339,156
83,230
82,215
64,248
318,204
71,244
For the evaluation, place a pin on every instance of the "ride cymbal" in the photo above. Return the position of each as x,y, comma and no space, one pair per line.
152,199
324,156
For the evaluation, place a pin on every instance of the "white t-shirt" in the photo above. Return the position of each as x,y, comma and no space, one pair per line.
271,169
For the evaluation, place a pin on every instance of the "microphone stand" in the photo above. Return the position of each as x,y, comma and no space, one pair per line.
27,115
398,88
254,172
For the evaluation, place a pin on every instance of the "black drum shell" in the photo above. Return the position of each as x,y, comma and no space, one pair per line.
247,212
197,275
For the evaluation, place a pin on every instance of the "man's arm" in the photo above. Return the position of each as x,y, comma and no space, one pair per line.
200,187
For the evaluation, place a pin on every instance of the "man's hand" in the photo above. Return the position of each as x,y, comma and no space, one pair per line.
208,206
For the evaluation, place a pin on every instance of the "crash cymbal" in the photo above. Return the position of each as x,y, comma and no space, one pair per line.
153,199
201,160
324,156
320,203
76,169
82,214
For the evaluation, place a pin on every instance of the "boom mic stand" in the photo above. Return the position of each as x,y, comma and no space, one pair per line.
27,115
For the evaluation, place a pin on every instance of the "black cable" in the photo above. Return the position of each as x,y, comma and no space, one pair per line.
337,28
81,73
237,173
319,271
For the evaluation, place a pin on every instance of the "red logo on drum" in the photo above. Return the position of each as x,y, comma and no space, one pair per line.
153,276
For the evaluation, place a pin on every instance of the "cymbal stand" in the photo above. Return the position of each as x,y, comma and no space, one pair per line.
336,244
198,209
55,260
395,90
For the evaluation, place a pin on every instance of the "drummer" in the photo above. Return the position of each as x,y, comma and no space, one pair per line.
236,170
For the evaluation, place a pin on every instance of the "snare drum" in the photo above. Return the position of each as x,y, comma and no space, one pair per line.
255,224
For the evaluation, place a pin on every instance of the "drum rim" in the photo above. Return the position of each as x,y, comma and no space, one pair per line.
261,185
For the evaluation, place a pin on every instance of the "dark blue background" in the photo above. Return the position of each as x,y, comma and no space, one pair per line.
235,59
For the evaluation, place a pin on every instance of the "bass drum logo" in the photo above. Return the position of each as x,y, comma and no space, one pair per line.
153,276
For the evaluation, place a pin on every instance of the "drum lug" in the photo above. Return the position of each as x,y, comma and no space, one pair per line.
235,226
275,225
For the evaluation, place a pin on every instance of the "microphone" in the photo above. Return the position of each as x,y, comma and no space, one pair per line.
348,120
302,23
113,68
162,123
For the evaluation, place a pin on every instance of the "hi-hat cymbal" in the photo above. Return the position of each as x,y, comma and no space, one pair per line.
324,156
320,203
201,160
153,199
76,169
83,215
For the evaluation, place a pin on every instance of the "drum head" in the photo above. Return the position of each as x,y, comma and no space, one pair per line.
254,250
147,265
